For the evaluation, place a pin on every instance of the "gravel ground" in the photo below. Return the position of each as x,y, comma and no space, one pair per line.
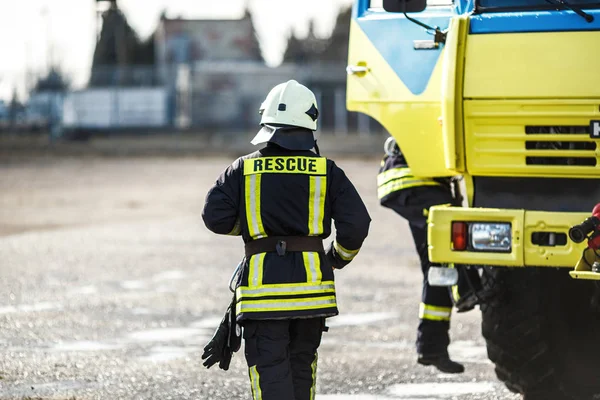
110,285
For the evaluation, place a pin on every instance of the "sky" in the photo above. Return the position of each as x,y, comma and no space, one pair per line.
64,31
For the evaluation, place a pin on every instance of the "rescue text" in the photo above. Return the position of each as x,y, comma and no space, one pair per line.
286,165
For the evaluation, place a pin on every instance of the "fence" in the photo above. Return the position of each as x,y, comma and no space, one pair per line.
203,97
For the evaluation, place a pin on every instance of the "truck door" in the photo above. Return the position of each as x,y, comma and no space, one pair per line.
395,76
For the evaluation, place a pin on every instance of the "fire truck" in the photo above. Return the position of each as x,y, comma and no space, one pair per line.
506,95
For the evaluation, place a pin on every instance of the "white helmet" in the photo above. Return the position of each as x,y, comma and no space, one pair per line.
290,103
289,114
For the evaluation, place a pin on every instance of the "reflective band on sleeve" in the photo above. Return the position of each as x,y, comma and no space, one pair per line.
312,264
255,273
252,197
345,254
401,184
434,313
455,293
255,383
237,229
286,304
391,174
313,367
316,205
247,291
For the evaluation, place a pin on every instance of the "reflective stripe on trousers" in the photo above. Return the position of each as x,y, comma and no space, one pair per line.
313,367
434,313
282,356
255,383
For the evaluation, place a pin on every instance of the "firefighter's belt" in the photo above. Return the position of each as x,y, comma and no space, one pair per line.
283,244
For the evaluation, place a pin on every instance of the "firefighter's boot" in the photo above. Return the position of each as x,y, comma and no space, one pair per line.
442,362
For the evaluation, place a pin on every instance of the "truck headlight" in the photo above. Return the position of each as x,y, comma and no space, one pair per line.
490,237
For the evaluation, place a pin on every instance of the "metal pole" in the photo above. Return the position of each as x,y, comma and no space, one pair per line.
341,121
364,126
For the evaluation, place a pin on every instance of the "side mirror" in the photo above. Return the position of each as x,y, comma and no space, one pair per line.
404,5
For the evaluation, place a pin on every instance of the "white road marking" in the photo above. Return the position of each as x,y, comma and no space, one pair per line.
419,391
445,390
356,397
209,322
165,335
84,290
169,276
469,351
133,285
85,346
25,308
168,353
360,319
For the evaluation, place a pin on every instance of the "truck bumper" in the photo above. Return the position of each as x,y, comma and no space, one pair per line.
537,238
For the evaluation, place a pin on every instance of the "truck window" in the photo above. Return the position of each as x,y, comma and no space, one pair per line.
378,4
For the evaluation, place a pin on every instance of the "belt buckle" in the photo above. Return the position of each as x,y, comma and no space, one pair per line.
280,247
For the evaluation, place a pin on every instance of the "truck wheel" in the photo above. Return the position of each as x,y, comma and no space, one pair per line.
542,331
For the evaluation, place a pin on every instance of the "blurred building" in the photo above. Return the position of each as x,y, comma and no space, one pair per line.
206,75
187,41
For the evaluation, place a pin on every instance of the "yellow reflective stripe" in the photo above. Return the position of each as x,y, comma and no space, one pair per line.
293,285
255,272
237,228
312,264
313,367
252,195
316,204
396,185
394,173
286,304
455,293
345,254
286,165
434,313
255,383
247,291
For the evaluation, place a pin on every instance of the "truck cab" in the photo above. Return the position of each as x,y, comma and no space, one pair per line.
505,94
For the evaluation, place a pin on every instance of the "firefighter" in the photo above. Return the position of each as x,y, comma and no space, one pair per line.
411,197
281,200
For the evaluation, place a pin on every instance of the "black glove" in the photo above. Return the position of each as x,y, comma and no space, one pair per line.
226,340
216,350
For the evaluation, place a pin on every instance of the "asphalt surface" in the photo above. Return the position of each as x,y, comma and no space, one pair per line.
110,285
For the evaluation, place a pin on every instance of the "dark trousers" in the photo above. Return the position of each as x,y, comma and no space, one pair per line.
282,357
432,334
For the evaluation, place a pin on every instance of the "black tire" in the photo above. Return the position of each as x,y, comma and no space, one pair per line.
543,332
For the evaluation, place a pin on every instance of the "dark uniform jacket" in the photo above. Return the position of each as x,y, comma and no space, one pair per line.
410,196
278,192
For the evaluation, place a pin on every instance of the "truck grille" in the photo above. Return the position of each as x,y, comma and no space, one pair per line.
557,138
531,138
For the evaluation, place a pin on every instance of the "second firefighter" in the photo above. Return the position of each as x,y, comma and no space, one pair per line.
411,197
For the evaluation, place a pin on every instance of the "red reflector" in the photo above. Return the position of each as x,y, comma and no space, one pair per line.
459,235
